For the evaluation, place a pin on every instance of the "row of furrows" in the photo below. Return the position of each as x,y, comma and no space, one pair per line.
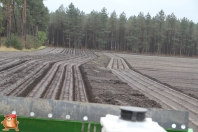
58,79
16,68
73,85
43,51
4,61
57,88
46,51
68,52
67,86
72,52
76,52
49,50
10,64
45,82
160,96
79,87
27,83
55,85
16,73
181,102
116,62
51,85
167,97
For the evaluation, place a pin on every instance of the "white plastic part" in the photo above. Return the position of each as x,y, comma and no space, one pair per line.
85,118
113,123
32,113
50,115
14,112
173,125
183,126
67,116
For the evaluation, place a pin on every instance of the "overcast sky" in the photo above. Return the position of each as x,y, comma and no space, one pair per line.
181,8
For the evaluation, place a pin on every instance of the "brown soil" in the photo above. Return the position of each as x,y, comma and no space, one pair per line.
106,88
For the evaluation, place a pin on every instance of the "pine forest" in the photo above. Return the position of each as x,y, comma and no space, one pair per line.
30,22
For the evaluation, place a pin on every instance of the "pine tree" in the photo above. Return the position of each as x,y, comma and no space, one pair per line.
1,26
112,27
132,34
161,25
9,22
142,32
72,15
122,30
102,29
24,21
183,35
148,32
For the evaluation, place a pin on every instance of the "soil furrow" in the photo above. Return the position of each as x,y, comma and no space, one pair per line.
11,65
28,80
16,76
74,85
4,61
63,93
81,86
16,68
70,89
58,94
163,95
31,86
41,92
190,102
55,84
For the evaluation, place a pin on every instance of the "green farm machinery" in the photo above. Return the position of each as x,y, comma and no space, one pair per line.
42,115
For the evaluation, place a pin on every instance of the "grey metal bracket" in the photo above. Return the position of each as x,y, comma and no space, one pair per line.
64,110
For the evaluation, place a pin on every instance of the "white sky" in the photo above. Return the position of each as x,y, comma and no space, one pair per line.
181,8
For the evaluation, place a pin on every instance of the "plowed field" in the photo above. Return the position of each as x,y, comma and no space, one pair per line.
52,73
119,79
170,81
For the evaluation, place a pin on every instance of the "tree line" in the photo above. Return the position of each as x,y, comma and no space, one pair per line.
23,20
161,34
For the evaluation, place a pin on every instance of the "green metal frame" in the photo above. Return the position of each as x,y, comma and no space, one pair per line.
189,130
50,125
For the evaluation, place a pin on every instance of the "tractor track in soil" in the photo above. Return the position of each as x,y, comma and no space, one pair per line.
167,97
52,73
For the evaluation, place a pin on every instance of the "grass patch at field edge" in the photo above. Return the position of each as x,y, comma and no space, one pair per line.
10,49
